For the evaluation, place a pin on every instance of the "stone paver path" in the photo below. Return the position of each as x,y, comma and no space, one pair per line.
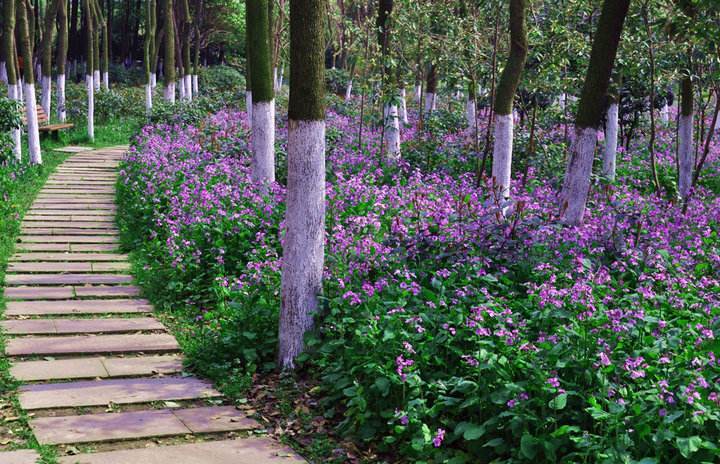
98,370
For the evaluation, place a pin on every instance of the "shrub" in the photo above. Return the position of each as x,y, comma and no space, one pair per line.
10,118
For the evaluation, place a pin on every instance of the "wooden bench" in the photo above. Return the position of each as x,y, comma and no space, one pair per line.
44,125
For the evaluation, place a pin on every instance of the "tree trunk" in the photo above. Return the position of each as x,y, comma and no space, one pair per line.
390,112
46,62
9,53
263,103
590,110
29,90
150,27
611,141
169,62
431,90
503,105
303,250
686,152
62,51
89,69
470,105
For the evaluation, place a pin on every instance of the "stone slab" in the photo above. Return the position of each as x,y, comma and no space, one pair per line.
73,149
38,293
107,292
143,365
255,450
126,391
68,257
215,419
49,267
68,239
96,367
93,247
58,369
79,326
91,344
61,307
90,428
54,223
19,457
66,279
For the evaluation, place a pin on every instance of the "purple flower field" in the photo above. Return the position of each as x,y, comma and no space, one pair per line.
449,332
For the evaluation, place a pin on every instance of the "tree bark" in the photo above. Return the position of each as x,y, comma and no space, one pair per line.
503,105
686,152
9,53
263,103
29,83
590,110
169,62
303,250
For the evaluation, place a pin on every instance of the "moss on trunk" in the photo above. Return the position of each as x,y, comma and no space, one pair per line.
8,42
602,58
510,77
259,35
307,67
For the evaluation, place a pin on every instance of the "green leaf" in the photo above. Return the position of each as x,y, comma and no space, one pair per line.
559,402
473,431
528,445
687,446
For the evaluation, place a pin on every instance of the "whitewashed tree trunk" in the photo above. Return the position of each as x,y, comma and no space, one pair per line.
170,92
3,73
348,90
392,132
96,80
418,93
429,102
106,80
502,155
304,245
90,106
403,106
577,180
263,142
33,129
470,113
21,89
153,80
13,94
280,79
665,114
148,98
275,78
249,106
46,95
196,84
61,110
181,88
686,154
611,141
188,87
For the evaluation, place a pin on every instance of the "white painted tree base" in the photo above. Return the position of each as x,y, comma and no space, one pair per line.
577,178
90,106
430,102
3,73
403,106
153,80
61,101
106,80
348,90
611,140
188,87
686,154
96,80
304,241
502,155
196,84
249,106
16,134
470,113
418,93
170,92
33,131
392,132
46,93
148,98
263,142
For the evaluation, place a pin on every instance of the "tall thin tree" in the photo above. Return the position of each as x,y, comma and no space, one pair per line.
89,68
263,102
29,83
46,61
590,110
61,59
10,64
304,246
504,98
169,62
